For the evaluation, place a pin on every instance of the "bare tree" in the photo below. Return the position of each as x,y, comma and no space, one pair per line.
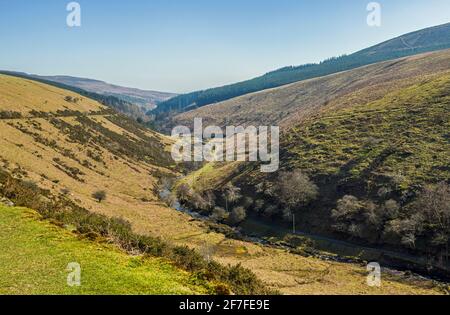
231,194
434,202
184,192
296,189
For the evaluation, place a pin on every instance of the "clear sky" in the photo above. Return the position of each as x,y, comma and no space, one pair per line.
184,45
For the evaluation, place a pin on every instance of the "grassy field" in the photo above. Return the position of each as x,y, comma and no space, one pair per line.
34,256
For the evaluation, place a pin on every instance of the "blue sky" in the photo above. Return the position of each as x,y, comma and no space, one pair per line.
184,45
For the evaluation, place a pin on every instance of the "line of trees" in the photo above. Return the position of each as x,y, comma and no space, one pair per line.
293,191
423,224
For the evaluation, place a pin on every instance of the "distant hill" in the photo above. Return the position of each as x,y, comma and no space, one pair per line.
147,100
290,104
430,39
116,96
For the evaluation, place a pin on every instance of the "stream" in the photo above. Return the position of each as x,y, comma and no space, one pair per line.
262,240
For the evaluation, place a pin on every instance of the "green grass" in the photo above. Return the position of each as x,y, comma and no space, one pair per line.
34,256
403,136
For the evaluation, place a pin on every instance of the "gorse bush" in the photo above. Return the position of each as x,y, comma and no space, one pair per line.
62,211
99,195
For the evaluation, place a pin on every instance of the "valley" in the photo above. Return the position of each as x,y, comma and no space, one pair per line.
88,176
42,129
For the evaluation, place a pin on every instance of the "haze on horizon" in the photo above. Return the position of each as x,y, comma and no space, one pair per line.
180,46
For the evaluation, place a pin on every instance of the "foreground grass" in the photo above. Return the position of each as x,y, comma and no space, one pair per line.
34,256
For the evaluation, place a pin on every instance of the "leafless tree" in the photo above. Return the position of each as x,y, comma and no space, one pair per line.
231,194
296,189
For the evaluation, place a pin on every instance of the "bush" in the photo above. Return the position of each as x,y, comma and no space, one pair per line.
99,195
65,191
237,215
184,192
219,214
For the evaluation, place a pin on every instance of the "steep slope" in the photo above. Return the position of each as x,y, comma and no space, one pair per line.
429,39
42,261
299,101
66,142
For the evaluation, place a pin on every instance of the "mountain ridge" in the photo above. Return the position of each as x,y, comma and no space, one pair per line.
288,75
295,102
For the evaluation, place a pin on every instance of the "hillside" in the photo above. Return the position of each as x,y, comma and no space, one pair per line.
35,255
123,106
433,38
379,166
67,143
59,147
299,101
430,39
146,100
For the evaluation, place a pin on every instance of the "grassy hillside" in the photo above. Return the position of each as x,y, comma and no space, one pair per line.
405,133
35,255
146,100
77,146
430,39
122,104
300,101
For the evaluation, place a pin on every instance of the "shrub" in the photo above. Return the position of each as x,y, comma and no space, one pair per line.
99,195
65,191
169,199
184,192
219,214
237,215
